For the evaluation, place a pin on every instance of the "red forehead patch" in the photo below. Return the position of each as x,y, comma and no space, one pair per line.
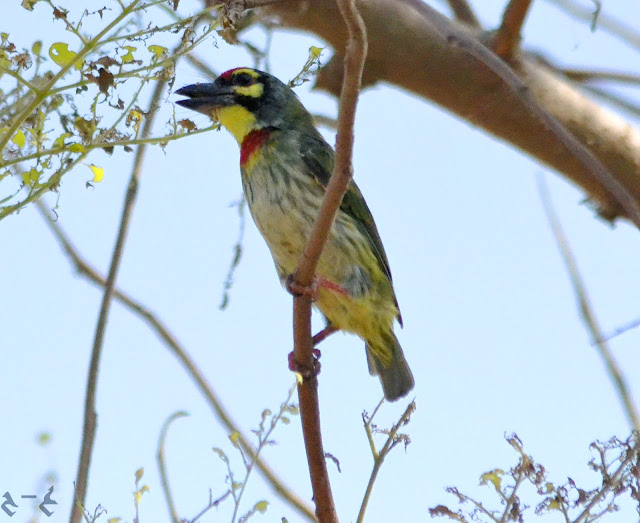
227,74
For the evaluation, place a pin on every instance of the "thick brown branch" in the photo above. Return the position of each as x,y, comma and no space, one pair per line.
507,39
415,49
356,51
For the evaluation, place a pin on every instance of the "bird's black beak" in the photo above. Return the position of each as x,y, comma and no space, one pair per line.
205,97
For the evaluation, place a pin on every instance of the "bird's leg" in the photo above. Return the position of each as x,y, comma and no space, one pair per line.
323,335
312,372
311,291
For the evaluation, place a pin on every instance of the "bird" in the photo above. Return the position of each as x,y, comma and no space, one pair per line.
285,166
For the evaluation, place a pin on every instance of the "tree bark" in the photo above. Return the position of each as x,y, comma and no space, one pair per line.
416,48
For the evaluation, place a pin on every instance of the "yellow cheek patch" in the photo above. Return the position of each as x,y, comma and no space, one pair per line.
255,90
237,120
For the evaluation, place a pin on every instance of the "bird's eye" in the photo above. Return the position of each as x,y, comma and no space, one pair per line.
243,79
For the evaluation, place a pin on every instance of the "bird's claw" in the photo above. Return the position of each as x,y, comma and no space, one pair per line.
304,371
311,291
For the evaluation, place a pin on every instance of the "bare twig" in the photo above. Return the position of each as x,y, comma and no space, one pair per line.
507,39
463,12
582,75
219,410
599,20
90,416
586,310
355,55
164,478
379,457
612,483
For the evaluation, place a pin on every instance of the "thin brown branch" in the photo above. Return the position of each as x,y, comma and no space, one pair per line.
356,52
171,342
506,41
90,416
464,13
586,310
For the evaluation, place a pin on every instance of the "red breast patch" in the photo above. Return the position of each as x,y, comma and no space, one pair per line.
251,143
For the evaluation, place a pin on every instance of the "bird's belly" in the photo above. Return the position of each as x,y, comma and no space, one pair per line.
285,222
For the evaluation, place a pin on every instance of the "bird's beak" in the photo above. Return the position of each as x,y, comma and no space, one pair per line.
206,97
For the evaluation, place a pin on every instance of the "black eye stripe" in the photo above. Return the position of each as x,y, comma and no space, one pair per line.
243,79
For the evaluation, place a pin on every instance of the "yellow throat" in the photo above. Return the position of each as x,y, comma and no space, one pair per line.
237,120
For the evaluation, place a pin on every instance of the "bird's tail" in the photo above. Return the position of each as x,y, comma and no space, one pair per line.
386,360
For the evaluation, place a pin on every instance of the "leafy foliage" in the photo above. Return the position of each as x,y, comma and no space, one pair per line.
58,105
616,461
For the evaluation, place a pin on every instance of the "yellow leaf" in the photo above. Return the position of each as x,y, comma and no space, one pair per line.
128,57
315,52
140,471
77,148
37,47
19,139
261,506
235,439
158,51
114,520
31,177
60,54
98,175
493,477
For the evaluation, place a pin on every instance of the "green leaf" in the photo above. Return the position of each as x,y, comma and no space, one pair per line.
77,148
139,474
44,438
59,141
36,48
261,506
60,54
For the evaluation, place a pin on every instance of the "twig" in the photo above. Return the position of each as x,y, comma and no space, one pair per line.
263,439
90,416
87,271
613,482
581,75
212,503
164,478
625,32
463,12
356,52
507,39
380,456
586,310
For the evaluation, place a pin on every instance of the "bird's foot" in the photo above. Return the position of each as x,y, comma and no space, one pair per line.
311,291
305,371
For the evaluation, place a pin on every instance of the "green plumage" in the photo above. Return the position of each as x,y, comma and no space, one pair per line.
285,166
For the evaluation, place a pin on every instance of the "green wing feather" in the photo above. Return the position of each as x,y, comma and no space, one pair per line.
318,156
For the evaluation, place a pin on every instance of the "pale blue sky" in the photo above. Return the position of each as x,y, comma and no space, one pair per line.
491,331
